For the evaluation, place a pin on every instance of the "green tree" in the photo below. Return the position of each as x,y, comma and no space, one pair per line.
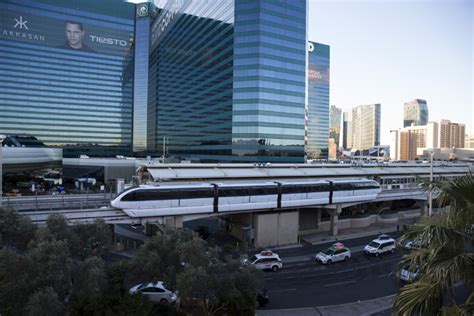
83,240
446,258
89,287
49,264
220,288
164,256
45,301
93,239
15,230
14,282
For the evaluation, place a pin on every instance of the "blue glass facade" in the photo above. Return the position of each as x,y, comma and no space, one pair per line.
143,137
318,101
191,78
66,73
230,79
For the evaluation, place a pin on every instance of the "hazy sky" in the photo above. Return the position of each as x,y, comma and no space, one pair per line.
390,52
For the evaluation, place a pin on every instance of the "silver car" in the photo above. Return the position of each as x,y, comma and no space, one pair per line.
156,292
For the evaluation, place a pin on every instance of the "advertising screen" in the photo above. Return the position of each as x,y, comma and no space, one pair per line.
73,33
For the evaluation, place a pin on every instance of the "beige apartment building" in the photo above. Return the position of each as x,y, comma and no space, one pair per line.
451,135
469,141
406,142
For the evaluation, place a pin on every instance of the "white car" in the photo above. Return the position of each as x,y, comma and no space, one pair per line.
156,292
380,246
338,252
265,260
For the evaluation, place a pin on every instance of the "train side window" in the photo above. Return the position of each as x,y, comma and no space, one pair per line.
130,197
195,194
289,189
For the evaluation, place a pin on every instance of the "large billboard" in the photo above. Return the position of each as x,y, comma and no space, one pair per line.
73,32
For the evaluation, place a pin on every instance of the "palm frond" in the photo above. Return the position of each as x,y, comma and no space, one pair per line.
423,296
449,267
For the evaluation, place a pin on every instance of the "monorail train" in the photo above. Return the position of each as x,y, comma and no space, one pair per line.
179,199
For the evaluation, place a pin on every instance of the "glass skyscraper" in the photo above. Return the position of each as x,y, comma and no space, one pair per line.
228,79
66,73
318,101
335,123
208,80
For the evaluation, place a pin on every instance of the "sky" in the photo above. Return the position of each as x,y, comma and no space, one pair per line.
391,52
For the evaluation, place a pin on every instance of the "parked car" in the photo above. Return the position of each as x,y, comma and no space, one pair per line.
337,252
408,273
156,292
384,237
261,296
265,260
409,244
380,246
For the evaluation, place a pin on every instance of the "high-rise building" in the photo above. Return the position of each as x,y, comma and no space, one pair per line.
394,144
347,130
318,101
228,79
335,123
469,141
451,135
407,142
211,80
365,126
414,137
66,71
415,113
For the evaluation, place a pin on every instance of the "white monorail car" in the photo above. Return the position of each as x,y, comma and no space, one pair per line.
179,199
248,196
354,191
166,200
303,193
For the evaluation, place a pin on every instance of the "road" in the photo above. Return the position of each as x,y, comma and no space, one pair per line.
305,283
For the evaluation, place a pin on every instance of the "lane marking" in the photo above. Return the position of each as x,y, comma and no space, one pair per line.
384,275
283,290
340,283
329,273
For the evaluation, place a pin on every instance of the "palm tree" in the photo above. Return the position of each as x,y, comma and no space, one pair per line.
446,258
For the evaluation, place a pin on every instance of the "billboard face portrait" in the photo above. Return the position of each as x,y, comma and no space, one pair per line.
74,37
73,33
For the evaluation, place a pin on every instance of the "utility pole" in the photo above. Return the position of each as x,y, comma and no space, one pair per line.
164,148
431,183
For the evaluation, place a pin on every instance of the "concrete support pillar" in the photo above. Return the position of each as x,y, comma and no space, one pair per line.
334,219
276,229
318,217
175,221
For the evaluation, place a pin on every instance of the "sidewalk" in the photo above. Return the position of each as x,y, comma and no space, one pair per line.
347,233
365,308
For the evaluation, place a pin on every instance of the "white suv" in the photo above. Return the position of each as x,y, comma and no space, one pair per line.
265,260
380,246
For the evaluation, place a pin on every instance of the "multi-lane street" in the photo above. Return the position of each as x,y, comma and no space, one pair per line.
305,283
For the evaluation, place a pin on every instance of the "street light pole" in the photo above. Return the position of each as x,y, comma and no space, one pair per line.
431,183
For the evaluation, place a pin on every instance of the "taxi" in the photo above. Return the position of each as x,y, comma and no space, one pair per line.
337,252
265,260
